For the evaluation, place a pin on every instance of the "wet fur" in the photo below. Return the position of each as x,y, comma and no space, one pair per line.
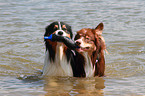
89,67
59,60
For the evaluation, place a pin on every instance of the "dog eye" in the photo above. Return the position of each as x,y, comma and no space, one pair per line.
88,38
64,29
55,28
77,37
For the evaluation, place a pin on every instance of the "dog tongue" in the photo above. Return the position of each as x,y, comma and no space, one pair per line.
79,50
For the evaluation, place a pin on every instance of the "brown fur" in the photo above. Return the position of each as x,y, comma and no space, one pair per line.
91,41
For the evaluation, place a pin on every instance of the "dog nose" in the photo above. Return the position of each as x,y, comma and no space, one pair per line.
60,33
78,43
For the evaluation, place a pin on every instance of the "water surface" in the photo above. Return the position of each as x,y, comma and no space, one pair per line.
22,25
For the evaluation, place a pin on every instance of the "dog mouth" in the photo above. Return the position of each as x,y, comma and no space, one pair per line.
82,49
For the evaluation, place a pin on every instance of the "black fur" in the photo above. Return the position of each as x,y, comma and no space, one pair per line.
68,53
48,31
50,28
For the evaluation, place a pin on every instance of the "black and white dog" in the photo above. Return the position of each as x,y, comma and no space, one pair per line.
59,59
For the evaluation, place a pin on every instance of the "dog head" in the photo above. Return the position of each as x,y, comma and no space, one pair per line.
58,28
89,39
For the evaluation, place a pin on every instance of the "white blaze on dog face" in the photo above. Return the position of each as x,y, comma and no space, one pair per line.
62,30
59,28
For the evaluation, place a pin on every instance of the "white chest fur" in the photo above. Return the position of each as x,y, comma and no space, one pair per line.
60,66
89,69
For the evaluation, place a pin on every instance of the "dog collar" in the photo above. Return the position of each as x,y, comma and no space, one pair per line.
97,58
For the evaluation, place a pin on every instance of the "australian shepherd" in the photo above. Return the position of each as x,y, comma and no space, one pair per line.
59,59
90,54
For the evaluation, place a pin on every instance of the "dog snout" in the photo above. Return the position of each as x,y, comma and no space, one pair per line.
60,33
78,43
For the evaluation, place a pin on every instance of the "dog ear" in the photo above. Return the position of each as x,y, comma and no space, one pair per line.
99,29
50,28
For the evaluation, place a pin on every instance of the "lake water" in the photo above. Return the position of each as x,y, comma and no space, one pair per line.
22,25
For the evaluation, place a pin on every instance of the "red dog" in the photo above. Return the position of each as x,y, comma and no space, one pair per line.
90,59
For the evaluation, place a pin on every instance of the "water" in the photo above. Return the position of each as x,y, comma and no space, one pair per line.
22,25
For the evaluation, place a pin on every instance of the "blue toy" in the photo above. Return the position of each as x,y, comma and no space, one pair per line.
67,41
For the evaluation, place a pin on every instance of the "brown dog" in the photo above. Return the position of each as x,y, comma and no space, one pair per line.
90,59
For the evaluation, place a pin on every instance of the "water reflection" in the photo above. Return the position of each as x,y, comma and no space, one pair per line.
65,86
